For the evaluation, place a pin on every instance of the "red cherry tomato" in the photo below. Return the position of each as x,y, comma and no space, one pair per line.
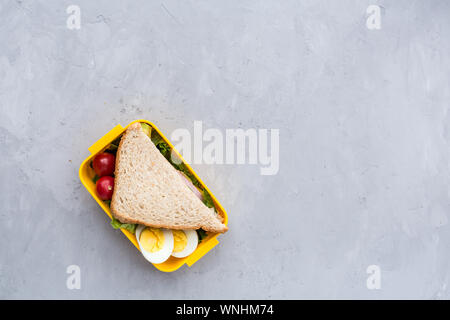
104,164
105,187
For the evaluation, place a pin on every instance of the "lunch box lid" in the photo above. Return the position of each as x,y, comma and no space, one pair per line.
86,174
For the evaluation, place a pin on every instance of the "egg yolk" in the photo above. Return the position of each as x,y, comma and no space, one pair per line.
179,240
152,239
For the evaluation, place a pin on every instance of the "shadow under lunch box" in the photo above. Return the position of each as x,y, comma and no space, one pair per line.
87,174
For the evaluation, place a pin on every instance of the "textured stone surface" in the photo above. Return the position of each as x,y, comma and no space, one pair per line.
364,143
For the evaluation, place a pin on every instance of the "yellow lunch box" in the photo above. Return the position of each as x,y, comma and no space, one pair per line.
87,173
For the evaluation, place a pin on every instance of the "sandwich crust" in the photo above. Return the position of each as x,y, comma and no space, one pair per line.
148,190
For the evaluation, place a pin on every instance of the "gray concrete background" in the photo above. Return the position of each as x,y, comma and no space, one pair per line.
364,143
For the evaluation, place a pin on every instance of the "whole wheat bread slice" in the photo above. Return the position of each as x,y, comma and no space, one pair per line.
148,190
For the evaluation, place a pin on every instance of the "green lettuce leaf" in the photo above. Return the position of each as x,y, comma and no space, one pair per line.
156,138
164,148
201,235
116,224
207,200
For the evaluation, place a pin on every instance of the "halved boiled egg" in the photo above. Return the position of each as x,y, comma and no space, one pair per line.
185,242
156,244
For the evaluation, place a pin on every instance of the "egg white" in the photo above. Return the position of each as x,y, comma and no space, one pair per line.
161,255
192,243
